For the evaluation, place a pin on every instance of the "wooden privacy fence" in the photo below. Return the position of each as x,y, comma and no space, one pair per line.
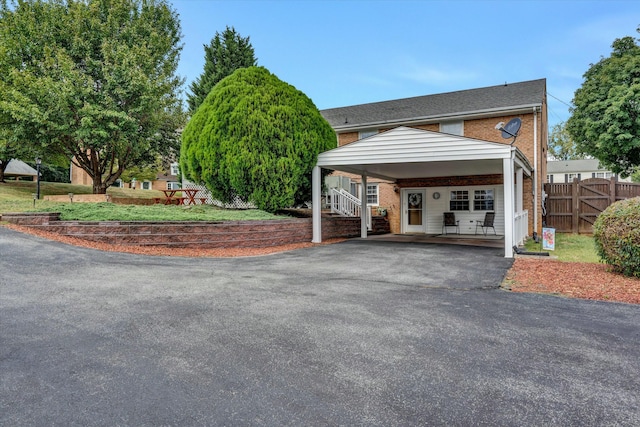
573,207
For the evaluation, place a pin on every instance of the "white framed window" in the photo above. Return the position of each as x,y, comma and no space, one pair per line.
483,200
146,185
605,175
459,200
453,128
367,133
172,185
372,194
550,178
568,177
118,183
175,169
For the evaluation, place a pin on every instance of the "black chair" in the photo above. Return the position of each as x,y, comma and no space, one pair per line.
487,223
450,221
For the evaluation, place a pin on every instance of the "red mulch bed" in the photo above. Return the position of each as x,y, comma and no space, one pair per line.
160,251
539,275
572,279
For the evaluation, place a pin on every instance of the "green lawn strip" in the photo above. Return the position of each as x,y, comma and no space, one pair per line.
17,197
569,247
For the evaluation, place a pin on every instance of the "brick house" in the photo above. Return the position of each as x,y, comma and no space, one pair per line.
165,180
419,157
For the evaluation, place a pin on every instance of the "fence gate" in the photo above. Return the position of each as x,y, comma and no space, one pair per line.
574,207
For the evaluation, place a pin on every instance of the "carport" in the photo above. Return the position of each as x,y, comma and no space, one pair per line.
405,153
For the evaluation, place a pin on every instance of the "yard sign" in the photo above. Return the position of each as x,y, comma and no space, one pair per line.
549,239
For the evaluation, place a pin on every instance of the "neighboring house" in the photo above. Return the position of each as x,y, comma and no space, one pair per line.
564,171
167,180
19,169
420,157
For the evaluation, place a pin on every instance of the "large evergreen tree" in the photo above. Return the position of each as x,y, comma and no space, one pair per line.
93,80
605,121
223,55
255,137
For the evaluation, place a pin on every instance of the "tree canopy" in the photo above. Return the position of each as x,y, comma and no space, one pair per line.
257,138
605,120
93,80
223,55
561,146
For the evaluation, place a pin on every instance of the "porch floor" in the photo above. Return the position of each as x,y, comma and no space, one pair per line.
490,241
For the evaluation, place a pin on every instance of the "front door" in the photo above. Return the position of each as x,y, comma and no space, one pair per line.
414,211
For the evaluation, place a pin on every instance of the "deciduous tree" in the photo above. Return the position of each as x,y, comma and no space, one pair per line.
94,80
561,146
255,137
605,122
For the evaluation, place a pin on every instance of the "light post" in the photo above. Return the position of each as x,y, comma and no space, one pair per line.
38,163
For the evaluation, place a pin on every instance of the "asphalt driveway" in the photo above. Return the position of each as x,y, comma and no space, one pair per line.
356,333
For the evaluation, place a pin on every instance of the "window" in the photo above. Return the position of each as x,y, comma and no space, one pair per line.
172,185
118,184
568,177
175,169
605,175
453,128
483,200
367,133
459,200
146,185
372,194
550,178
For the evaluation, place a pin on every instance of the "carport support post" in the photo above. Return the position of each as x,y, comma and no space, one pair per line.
507,173
363,207
316,209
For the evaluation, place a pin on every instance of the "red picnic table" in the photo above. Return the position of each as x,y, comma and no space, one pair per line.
169,197
190,195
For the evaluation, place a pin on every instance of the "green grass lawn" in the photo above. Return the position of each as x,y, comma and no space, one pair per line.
17,196
569,247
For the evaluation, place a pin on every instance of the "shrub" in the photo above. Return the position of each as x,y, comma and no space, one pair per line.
616,232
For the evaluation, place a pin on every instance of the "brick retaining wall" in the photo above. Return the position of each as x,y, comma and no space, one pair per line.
231,234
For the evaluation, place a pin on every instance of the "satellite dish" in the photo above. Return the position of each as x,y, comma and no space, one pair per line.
511,129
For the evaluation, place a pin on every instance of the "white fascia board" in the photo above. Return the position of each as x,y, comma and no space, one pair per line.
521,160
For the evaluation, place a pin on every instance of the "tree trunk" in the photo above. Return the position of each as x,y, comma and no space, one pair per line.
99,187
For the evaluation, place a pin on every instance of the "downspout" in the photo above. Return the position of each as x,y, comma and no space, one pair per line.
535,169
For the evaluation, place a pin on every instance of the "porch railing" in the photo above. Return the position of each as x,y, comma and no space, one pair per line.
520,227
344,203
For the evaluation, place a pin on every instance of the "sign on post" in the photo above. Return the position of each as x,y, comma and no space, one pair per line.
549,239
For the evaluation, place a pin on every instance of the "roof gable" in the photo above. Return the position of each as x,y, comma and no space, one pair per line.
404,144
496,99
17,167
397,152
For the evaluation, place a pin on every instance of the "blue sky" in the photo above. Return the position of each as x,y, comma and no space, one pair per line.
351,52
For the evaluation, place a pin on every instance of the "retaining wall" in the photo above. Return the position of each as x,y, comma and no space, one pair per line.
197,234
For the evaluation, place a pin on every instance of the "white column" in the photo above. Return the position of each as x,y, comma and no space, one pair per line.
519,190
507,173
363,207
316,209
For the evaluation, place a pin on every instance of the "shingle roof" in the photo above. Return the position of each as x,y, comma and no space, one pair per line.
465,102
568,166
19,168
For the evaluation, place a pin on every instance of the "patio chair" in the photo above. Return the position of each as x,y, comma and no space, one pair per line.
450,221
487,223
